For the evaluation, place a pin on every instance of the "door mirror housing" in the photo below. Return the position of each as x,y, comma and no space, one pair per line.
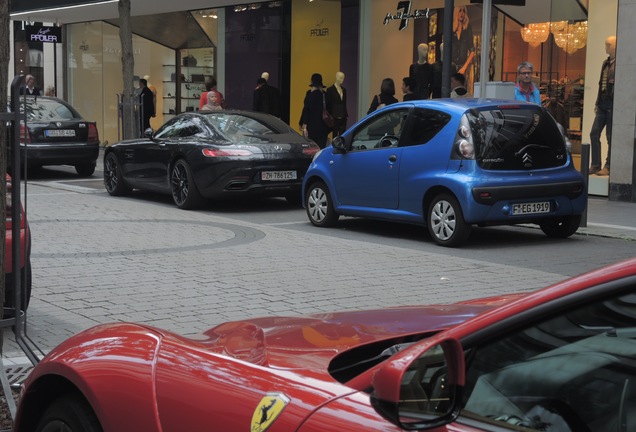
339,144
148,133
420,388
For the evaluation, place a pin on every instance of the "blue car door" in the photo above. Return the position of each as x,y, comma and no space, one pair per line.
368,174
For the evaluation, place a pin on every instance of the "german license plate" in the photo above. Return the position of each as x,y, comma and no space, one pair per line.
531,208
278,175
59,133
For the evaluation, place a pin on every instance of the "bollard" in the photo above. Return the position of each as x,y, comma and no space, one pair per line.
585,172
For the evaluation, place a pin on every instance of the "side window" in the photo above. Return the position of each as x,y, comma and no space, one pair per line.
382,131
425,124
187,128
170,129
573,372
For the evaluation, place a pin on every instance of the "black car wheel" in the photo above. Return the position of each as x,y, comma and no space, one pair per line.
445,221
9,301
113,179
319,206
86,170
561,227
184,192
70,413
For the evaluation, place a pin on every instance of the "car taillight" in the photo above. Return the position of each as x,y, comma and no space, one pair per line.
25,135
312,150
93,135
208,152
464,144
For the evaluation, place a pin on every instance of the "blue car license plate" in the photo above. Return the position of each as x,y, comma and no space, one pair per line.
531,208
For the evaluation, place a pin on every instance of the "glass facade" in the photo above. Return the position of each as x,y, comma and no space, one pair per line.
292,39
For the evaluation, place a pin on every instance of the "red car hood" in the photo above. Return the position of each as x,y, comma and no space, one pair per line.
311,342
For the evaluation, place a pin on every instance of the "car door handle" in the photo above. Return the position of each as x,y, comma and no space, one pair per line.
392,158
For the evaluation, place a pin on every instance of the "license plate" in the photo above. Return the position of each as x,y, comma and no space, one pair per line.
278,175
59,133
531,208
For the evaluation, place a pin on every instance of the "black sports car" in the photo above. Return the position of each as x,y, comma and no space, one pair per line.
202,155
56,134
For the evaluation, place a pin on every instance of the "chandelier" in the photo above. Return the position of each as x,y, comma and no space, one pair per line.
536,33
569,37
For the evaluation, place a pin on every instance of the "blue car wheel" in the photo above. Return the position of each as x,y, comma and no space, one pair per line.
445,221
319,206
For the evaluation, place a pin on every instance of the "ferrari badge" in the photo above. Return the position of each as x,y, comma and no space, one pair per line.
268,409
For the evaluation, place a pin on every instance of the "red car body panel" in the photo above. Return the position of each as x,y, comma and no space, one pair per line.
24,236
140,378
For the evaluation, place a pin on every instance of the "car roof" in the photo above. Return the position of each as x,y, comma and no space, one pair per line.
461,105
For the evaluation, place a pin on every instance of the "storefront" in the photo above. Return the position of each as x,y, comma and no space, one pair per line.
368,41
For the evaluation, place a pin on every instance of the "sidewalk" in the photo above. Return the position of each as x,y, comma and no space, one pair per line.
616,219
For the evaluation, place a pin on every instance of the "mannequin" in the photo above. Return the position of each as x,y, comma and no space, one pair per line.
422,72
603,110
336,101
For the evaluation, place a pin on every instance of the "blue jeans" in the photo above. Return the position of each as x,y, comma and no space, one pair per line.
602,120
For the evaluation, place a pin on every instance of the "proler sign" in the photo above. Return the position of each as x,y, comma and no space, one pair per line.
43,34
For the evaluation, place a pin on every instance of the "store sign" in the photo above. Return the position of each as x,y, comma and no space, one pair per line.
319,29
404,14
43,34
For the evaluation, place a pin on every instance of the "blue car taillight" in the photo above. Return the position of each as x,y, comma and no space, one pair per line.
464,144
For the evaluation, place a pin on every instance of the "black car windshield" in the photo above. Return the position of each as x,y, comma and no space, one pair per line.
239,128
45,110
515,137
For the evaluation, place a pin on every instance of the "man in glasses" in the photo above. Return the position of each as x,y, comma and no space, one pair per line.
525,90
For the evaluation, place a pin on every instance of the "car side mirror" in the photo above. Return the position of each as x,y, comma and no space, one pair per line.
339,143
148,133
422,393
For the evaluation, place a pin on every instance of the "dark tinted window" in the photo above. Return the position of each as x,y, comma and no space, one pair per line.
425,125
517,137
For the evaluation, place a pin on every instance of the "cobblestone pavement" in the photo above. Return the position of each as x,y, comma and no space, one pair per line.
99,259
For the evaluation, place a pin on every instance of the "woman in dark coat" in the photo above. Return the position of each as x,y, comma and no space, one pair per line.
311,119
386,96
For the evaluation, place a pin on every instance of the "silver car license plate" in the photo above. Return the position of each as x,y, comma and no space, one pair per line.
278,175
531,208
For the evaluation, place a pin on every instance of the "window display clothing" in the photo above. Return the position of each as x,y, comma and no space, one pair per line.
423,75
336,101
603,118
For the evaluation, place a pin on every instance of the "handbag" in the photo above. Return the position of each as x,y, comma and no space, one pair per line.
189,61
326,117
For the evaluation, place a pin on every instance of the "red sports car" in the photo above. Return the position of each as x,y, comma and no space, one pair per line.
560,359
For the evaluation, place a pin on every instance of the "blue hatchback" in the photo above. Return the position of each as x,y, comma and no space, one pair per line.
448,165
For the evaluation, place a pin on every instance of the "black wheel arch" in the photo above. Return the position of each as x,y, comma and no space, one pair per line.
41,395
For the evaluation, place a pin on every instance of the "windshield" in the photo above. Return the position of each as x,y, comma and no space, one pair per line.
517,137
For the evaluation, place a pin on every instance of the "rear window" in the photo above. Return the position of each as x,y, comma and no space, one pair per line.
239,128
45,110
517,137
